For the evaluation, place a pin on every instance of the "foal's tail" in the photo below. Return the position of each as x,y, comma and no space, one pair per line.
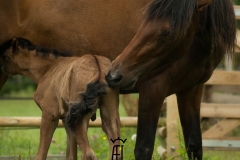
87,104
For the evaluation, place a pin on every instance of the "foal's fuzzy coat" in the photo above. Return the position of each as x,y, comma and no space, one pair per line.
69,88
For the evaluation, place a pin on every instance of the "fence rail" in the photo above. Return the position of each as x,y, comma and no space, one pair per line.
35,122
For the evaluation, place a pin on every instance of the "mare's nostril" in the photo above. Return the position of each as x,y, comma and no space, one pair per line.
117,79
113,81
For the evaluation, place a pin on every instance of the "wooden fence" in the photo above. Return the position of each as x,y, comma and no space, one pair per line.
214,137
35,122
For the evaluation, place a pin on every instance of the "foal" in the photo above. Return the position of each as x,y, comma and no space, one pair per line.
69,88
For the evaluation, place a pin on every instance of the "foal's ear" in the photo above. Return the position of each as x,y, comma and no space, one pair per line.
203,3
14,44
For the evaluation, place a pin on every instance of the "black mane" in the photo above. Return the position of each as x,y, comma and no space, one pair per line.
180,13
221,22
26,44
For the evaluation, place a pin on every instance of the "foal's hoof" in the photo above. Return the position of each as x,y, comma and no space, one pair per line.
89,156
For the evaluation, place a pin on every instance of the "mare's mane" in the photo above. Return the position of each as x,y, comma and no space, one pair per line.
26,44
180,13
220,19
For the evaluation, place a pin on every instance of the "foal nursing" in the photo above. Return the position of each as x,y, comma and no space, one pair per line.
69,88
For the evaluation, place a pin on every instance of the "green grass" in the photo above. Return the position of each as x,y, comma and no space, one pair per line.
24,141
19,108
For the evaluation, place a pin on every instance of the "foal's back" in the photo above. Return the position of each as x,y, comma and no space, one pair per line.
70,76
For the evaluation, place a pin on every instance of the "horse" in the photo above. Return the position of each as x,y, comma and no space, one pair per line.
169,32
79,27
176,49
69,88
102,27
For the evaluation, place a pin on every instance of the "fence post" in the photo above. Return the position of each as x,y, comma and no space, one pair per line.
171,123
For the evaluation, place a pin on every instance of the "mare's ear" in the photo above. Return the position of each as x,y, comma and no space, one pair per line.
203,3
14,44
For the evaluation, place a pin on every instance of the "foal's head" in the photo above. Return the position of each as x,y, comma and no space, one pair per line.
16,57
22,56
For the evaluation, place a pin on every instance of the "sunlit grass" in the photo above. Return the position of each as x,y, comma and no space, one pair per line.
24,141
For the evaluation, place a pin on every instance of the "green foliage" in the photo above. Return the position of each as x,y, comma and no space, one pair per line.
236,2
182,150
17,84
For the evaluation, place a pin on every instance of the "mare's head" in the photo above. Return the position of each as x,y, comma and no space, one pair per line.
22,56
164,36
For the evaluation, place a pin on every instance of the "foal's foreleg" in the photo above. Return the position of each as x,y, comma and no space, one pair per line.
110,119
189,111
71,153
48,125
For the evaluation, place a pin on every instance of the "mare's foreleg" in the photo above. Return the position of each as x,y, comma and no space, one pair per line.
189,111
110,119
71,153
150,102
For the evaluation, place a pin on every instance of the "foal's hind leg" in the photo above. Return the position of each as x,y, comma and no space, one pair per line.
189,111
80,133
71,153
110,117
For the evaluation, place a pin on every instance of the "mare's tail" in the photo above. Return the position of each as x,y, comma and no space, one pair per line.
87,104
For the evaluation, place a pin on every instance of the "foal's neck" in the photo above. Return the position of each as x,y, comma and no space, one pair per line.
39,66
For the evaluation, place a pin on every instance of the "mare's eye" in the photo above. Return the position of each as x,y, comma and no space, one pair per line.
165,35
3,56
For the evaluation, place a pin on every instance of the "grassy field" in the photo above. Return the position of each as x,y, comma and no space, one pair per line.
24,141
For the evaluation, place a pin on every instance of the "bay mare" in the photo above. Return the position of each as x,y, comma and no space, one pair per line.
174,49
102,27
69,88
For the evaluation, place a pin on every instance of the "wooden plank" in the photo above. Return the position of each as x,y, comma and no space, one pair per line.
231,89
221,128
220,77
35,122
222,143
171,123
220,110
220,149
237,11
238,36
